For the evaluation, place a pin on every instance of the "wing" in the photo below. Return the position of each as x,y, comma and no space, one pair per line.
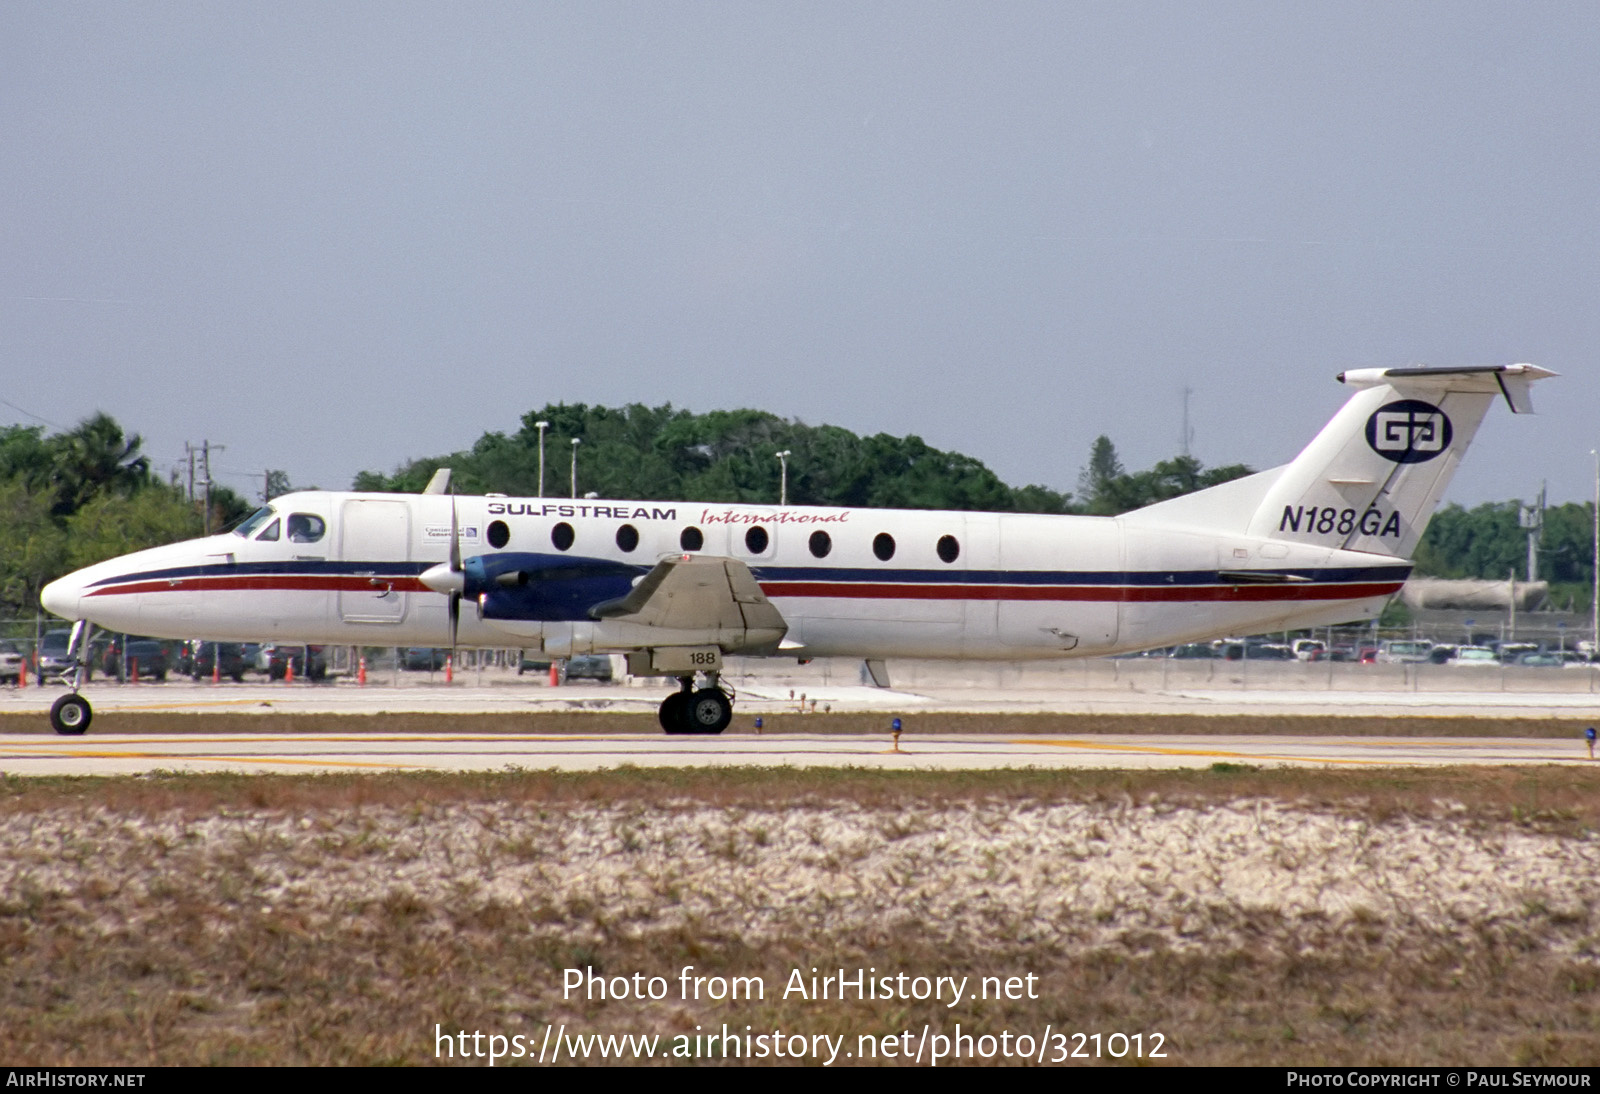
705,593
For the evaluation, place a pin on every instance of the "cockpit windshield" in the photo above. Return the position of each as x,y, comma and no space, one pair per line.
257,519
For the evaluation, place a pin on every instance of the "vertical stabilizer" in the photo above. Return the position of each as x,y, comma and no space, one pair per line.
1372,478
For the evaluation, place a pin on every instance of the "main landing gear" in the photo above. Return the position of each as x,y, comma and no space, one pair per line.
707,710
71,714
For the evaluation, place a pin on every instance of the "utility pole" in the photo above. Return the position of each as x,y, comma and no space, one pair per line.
204,449
1188,433
1531,517
576,441
541,427
783,488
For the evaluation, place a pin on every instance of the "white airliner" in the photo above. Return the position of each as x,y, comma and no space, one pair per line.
677,586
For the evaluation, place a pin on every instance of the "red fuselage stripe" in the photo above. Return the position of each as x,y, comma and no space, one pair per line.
349,583
1112,593
1126,594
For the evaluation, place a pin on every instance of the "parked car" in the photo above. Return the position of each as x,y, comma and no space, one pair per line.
1309,649
1475,656
308,662
202,659
422,659
126,653
52,654
1404,651
590,667
10,662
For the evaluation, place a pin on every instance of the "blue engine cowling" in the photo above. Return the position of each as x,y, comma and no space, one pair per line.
545,588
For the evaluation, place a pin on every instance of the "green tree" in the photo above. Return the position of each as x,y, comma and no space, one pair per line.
112,524
95,457
32,546
1097,483
663,453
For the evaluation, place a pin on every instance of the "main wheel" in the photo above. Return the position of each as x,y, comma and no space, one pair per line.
709,711
70,715
672,713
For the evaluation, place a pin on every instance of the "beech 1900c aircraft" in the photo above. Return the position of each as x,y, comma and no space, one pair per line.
677,586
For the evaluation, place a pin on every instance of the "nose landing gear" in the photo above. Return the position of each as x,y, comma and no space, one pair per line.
707,710
71,714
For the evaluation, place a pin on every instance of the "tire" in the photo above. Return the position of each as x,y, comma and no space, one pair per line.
709,711
673,713
70,715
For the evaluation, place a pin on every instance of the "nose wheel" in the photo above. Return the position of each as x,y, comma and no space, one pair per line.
70,715
706,711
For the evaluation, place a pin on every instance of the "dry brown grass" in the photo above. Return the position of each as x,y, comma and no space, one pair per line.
338,918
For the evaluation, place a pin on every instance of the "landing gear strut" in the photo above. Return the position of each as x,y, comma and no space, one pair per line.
71,714
690,711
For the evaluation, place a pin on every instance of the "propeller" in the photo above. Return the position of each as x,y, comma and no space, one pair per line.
450,577
455,569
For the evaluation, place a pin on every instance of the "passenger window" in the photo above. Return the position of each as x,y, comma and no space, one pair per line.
628,538
562,536
820,544
499,534
949,550
305,528
691,539
883,546
756,540
270,535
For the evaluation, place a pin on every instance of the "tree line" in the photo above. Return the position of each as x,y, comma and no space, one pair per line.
77,497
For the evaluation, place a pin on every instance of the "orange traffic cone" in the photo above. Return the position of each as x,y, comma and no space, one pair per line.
555,675
449,668
288,671
133,669
361,672
216,668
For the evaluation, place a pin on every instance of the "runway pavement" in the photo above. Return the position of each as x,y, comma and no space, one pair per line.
147,749
369,752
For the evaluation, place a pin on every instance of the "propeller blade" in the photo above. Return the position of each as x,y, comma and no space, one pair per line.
455,541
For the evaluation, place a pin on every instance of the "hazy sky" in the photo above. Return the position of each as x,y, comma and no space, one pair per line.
335,236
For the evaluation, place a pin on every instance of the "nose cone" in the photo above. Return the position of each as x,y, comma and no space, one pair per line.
61,597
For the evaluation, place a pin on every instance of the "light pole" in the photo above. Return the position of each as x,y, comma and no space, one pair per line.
783,481
1596,606
576,441
541,427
